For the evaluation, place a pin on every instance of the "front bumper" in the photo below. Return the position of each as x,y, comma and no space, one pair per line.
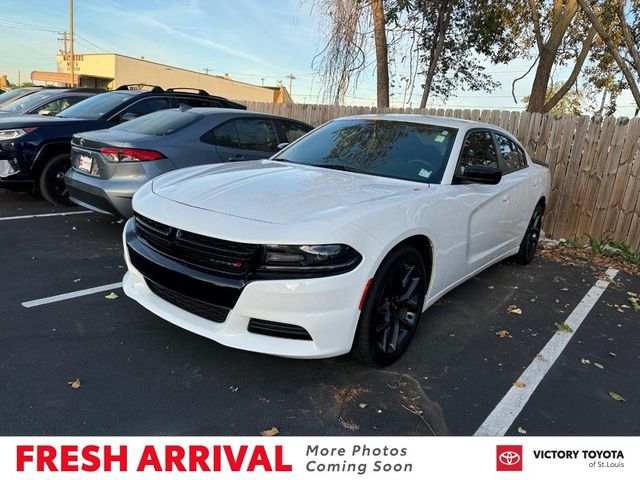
327,308
103,196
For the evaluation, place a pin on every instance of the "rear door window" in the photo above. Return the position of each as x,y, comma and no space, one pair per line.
511,155
223,136
294,130
257,134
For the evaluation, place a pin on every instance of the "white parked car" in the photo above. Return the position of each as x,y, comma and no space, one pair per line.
340,241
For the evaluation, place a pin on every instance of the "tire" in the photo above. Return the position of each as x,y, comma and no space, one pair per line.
392,308
531,237
51,181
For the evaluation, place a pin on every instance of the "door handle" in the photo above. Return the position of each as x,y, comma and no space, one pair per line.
236,157
506,197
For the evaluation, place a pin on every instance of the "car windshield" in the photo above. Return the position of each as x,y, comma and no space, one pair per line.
163,122
95,107
25,104
405,150
8,97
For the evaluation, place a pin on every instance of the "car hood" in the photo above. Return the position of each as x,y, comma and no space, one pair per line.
276,192
20,121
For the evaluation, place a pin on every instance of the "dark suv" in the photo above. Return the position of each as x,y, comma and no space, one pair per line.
49,101
34,149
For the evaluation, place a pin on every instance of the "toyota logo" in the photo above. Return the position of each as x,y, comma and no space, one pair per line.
509,458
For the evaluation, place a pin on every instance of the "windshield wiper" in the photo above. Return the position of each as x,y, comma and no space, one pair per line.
335,166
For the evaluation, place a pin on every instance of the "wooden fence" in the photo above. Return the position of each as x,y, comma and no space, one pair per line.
594,163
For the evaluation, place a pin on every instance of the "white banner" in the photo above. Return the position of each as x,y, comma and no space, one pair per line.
140,458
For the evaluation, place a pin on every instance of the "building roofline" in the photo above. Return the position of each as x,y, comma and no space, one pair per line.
179,68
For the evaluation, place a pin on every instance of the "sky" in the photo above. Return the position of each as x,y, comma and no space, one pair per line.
250,40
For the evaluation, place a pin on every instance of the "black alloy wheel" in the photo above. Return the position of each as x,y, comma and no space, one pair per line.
531,237
52,186
392,308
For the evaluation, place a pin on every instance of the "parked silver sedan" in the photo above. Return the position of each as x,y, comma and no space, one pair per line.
108,166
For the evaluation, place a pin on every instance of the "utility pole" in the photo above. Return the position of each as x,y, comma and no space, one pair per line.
63,38
73,57
291,79
206,70
262,81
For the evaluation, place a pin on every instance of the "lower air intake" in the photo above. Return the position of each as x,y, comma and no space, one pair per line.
277,329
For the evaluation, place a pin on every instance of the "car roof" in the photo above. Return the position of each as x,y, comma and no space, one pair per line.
207,111
450,122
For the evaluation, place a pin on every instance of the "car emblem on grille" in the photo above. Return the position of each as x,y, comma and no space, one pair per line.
81,141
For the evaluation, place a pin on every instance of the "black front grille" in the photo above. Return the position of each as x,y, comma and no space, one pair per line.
221,256
202,309
277,329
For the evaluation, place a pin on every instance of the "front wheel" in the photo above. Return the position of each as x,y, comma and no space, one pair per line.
392,308
531,238
51,183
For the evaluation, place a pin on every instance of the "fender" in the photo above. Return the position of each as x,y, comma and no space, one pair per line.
48,150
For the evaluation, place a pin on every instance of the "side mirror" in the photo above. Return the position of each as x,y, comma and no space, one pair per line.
481,174
128,116
46,112
282,145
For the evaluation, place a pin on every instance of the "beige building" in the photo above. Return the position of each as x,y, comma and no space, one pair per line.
110,70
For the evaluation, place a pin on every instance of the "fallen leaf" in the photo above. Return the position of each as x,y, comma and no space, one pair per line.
363,405
617,397
504,334
74,228
585,361
599,365
532,300
619,310
563,327
233,388
76,280
119,221
349,425
522,431
611,354
519,384
272,432
491,287
515,287
565,289
111,296
514,309
75,384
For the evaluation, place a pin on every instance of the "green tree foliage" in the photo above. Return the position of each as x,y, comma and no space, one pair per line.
452,38
572,103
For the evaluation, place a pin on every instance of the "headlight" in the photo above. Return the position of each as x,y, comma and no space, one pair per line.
14,133
309,259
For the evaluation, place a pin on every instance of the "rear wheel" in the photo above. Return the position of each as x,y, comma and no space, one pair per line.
51,182
392,308
531,238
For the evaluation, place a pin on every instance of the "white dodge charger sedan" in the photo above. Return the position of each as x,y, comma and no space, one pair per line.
340,241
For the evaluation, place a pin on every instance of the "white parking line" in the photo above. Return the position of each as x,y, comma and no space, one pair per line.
66,296
40,215
503,416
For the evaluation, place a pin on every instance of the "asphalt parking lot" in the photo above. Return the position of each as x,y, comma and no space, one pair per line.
141,375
